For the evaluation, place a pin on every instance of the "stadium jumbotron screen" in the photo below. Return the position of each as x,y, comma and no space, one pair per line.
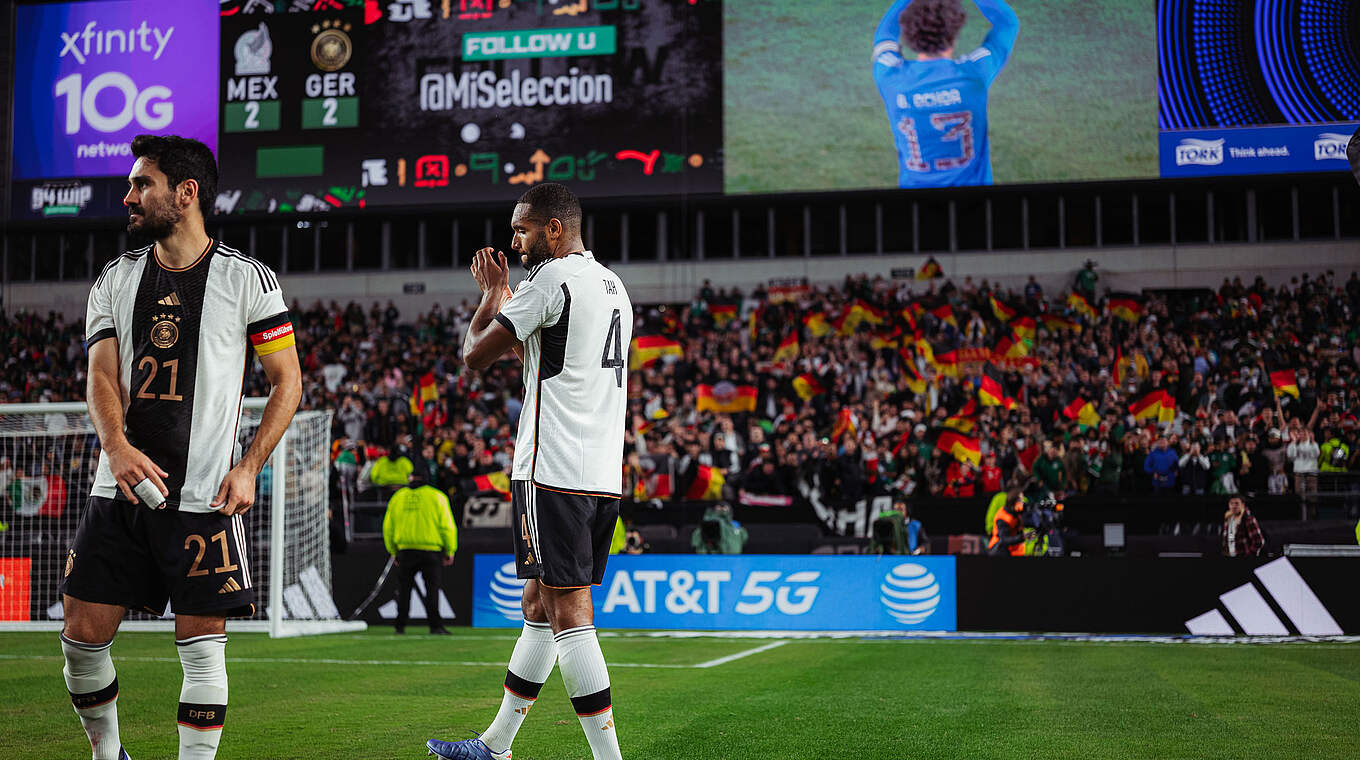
358,105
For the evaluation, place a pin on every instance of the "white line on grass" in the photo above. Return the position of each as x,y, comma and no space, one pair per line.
336,661
739,655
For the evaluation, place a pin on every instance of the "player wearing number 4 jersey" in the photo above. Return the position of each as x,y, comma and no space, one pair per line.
937,104
571,322
170,331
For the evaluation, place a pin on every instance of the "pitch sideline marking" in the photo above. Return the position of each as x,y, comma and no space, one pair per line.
423,663
739,655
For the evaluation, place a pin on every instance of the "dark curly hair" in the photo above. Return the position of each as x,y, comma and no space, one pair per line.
930,26
182,158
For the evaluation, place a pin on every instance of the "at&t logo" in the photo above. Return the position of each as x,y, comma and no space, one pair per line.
910,593
506,591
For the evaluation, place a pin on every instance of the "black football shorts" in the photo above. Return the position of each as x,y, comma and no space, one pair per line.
561,537
130,555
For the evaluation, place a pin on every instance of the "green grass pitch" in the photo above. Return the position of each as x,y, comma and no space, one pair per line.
1076,101
376,695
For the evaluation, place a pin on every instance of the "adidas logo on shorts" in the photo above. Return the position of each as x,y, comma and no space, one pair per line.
230,586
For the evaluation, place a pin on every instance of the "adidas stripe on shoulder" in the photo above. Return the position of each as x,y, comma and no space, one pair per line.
268,282
125,256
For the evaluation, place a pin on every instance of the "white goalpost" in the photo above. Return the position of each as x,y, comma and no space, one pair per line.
48,457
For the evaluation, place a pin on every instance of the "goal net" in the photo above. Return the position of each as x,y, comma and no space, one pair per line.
48,457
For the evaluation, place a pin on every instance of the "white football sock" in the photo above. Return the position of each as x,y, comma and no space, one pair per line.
530,664
93,685
203,697
587,681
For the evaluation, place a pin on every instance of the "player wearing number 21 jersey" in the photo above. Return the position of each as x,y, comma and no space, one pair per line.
937,103
171,331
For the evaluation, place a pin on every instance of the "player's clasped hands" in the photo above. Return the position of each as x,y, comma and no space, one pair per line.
130,467
490,270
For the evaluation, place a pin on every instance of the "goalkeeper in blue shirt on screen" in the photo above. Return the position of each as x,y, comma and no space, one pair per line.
937,103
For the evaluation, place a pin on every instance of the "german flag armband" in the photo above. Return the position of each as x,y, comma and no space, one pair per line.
271,334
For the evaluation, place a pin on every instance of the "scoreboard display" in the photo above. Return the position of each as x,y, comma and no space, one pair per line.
426,103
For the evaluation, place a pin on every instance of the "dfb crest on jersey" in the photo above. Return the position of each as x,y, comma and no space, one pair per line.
165,332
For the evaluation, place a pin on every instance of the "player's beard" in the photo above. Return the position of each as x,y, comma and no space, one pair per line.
158,221
538,253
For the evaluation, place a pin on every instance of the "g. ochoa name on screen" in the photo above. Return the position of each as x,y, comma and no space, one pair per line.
447,91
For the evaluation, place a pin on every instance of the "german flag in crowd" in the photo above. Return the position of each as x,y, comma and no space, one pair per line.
923,348
1083,412
807,385
1167,413
915,382
650,425
1285,382
670,320
1126,306
1078,303
788,348
882,340
1024,328
1002,311
725,398
960,423
943,357
427,390
845,423
1010,347
945,313
707,484
1056,322
930,270
1148,407
964,448
908,316
817,325
723,313
991,386
498,482
646,350
858,311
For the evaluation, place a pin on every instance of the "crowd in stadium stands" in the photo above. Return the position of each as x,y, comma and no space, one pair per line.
874,386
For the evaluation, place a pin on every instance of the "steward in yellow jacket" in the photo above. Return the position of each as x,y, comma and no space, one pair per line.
419,533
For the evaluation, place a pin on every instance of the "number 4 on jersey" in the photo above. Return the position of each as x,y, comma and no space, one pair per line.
613,348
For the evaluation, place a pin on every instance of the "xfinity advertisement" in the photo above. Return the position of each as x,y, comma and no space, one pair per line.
90,76
748,592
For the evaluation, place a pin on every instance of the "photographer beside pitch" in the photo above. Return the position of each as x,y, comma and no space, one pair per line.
570,322
169,329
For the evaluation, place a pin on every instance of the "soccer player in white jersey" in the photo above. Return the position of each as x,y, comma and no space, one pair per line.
169,331
571,322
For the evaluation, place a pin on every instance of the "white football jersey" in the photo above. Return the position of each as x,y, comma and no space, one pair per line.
184,340
576,322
